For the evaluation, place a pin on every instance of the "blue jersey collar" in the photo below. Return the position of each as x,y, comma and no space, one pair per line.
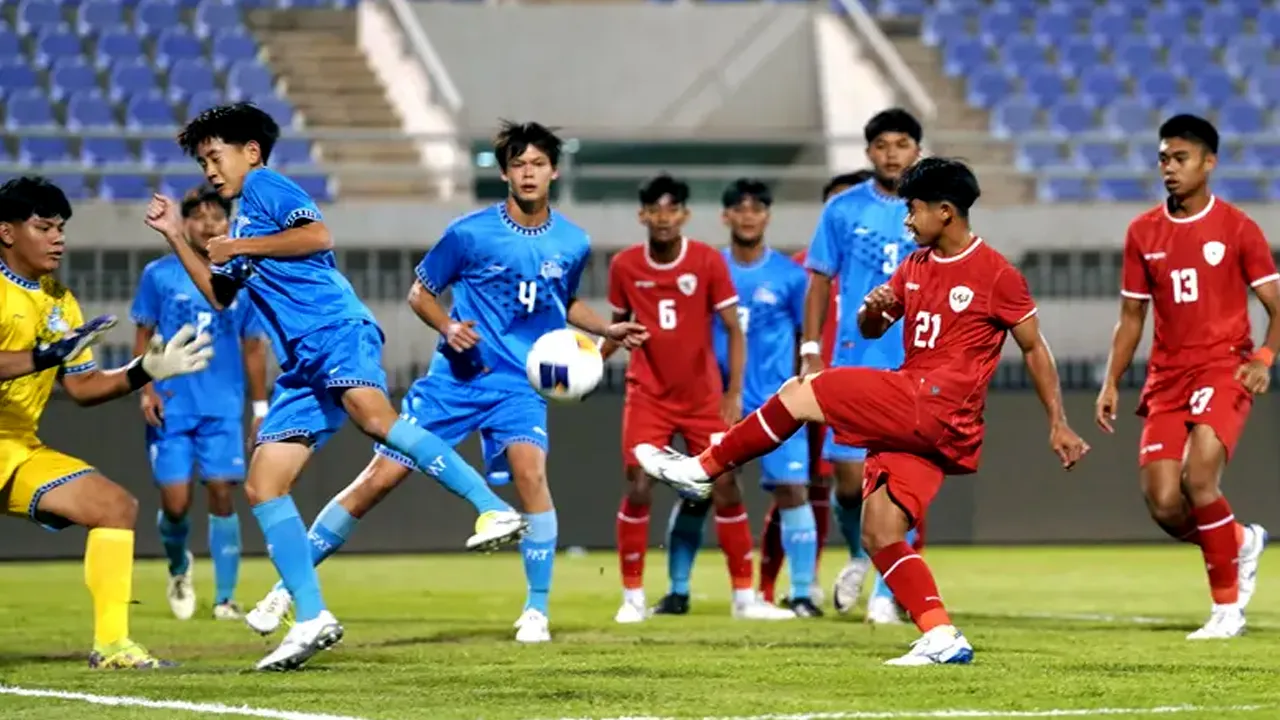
519,229
764,258
880,196
17,279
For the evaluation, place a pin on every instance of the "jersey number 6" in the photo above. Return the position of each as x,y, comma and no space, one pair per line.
667,314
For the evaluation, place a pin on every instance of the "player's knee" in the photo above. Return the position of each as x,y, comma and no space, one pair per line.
221,500
790,496
116,508
639,487
371,411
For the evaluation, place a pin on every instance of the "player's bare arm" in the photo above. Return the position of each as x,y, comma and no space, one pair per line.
731,401
609,347
308,237
1124,343
184,353
164,217
816,298
255,373
629,334
1255,375
1064,441
875,315
459,335
150,400
15,364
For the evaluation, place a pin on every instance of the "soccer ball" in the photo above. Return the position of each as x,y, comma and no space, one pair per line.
564,365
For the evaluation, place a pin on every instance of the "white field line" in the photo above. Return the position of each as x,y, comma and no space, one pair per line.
1100,618
191,707
983,714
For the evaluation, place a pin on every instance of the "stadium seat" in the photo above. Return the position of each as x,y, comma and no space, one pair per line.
188,77
29,109
1264,87
988,87
278,108
56,44
1158,88
215,15
1239,189
1109,25
177,43
997,24
1248,8
152,17
1053,26
1021,51
1239,116
90,109
128,78
43,151
1044,85
15,76
1070,117
1098,156
104,151
1126,116
159,152
1039,155
1135,56
71,75
292,152
317,186
247,79
95,15
1212,86
1144,155
1189,55
1245,55
37,15
177,185
9,44
73,186
1100,86
1221,24
937,23
1164,26
1077,53
115,45
963,56
1014,117
1064,189
1268,25
232,46
149,111
125,187
1124,189
202,101
1273,189
1262,155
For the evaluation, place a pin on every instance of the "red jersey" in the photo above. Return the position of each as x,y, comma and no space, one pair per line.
1197,272
958,311
833,314
677,302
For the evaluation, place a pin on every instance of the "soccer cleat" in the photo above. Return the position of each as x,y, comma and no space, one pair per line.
304,640
496,528
1226,621
1255,541
816,594
182,592
756,609
630,613
126,655
883,611
227,611
266,616
848,585
803,607
943,645
672,604
683,473
533,627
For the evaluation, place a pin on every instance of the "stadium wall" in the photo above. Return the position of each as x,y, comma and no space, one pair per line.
1021,496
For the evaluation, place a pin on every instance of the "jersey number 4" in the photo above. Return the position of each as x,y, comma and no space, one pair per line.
928,325
528,294
1186,286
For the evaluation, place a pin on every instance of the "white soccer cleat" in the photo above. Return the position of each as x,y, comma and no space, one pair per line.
757,609
817,594
631,612
182,592
266,616
883,611
1226,621
227,611
533,627
304,640
1255,541
496,528
943,645
683,473
848,585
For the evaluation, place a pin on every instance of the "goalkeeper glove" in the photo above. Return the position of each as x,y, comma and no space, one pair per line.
183,354
47,355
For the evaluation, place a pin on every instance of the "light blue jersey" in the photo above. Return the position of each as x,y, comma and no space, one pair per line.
859,241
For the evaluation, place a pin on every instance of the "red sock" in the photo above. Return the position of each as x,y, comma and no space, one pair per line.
633,541
1188,533
753,436
771,554
907,575
1220,546
734,532
820,500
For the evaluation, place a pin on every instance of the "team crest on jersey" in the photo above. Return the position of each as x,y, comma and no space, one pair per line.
960,298
552,270
1214,252
56,323
764,296
687,283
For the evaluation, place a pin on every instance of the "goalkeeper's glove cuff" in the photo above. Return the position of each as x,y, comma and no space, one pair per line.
44,357
136,374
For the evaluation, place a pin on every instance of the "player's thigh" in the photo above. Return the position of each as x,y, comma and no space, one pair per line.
440,407
219,449
382,475
349,366
874,409
274,468
788,465
57,490
514,439
897,491
299,414
644,422
171,451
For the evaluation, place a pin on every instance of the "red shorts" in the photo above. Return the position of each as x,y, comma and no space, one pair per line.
647,421
1172,405
881,411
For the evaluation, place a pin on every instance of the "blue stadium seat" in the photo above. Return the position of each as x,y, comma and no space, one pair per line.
158,152
1221,24
1239,116
149,111
1109,25
104,151
1262,155
1024,11
1144,155
247,79
43,151
1165,26
129,78
1245,55
1189,55
116,44
1070,117
1124,189
938,23
1126,116
1039,155
1100,85
1213,86
1264,86
177,43
1190,8
95,15
1021,51
988,87
53,45
1239,189
1064,189
29,109
177,185
1079,12
71,75
1044,84
125,187
292,152
1249,8
188,77
90,110
1273,189
1077,53
232,46
963,56
1135,56
997,24
152,17
73,186
9,44
215,15
202,101
1158,88
279,109
1098,155
1053,26
36,15
317,186
965,7
16,75
1014,117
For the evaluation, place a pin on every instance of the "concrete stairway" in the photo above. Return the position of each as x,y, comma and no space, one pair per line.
328,80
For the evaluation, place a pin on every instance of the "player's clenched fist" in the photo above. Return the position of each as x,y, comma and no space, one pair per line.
628,334
1104,408
462,335
1067,445
880,299
1255,376
163,216
221,250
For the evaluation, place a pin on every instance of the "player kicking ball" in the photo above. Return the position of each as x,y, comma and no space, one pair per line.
514,269
327,343
1194,260
43,339
197,420
961,299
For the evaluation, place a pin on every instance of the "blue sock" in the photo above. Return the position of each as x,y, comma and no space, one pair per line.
539,549
684,537
290,552
440,461
224,548
173,535
800,544
880,589
328,533
849,518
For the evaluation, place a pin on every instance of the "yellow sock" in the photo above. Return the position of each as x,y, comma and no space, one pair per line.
108,571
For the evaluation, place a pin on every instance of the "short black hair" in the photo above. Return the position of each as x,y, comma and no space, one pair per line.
514,138
32,196
937,179
846,180
744,188
237,124
652,191
1191,128
203,195
893,120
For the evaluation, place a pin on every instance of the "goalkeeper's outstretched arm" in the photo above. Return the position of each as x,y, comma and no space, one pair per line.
184,353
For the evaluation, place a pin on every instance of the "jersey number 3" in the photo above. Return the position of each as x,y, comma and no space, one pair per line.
928,325
1186,287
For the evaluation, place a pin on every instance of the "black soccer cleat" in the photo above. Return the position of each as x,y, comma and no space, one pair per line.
672,604
802,607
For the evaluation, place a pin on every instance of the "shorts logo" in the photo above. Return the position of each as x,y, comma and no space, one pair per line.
1214,252
960,298
687,283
